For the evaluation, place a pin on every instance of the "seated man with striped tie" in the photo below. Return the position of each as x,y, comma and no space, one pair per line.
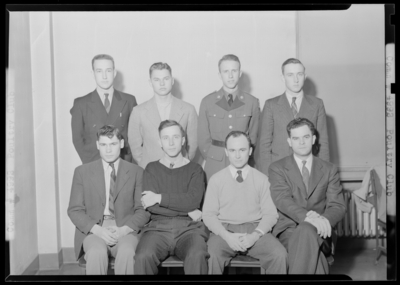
307,192
173,188
239,212
105,207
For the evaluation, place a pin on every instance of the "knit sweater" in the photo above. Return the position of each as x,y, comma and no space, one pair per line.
228,201
181,188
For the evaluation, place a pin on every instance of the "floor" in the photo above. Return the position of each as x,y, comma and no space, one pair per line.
358,264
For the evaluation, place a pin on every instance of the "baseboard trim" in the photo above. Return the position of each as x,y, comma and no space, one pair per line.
50,260
357,243
32,268
68,254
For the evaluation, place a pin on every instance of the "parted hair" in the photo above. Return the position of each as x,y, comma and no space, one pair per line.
298,122
289,61
102,56
236,134
160,66
109,131
170,123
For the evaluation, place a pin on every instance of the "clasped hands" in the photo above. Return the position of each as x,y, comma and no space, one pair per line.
240,241
322,224
111,234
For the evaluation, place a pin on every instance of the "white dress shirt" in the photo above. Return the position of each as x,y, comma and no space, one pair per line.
110,94
299,99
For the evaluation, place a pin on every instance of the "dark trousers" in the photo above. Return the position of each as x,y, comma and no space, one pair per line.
184,238
303,245
267,249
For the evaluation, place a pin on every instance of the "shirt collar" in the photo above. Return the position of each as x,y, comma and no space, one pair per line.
234,94
245,170
299,97
102,91
181,161
106,165
299,162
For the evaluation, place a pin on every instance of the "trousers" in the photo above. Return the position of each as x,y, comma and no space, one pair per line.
183,238
270,252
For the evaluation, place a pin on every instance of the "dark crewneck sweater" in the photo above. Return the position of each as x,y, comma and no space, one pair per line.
181,189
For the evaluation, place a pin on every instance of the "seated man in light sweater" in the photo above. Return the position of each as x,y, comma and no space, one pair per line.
173,190
239,212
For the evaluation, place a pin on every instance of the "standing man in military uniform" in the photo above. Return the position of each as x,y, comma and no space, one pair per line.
223,111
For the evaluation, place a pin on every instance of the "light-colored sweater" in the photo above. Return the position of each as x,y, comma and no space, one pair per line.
228,201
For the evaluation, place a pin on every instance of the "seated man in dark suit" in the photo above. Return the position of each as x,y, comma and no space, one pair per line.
173,190
103,106
307,192
105,207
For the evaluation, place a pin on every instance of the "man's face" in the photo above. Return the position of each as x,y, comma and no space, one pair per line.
104,73
109,148
161,81
229,72
301,140
171,140
238,151
294,77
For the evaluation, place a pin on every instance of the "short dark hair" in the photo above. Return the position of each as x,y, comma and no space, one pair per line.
170,123
109,131
228,57
236,134
160,66
298,122
102,56
289,61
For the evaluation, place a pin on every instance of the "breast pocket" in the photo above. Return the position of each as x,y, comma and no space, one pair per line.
243,118
216,120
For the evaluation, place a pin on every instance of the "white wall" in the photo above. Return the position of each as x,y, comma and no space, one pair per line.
344,55
190,42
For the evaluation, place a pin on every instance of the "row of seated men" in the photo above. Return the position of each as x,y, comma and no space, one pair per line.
141,217
223,111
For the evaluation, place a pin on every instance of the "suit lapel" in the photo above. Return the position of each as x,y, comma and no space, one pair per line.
122,177
316,175
117,106
98,180
152,112
284,109
97,107
306,107
176,112
295,176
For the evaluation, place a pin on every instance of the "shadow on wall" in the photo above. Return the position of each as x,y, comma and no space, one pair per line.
176,89
119,82
245,82
309,87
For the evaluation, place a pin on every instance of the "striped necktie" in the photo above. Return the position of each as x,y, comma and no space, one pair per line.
294,107
306,174
112,190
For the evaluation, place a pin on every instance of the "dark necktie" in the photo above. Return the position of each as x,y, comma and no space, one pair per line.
171,165
107,103
230,99
306,174
294,107
112,189
239,178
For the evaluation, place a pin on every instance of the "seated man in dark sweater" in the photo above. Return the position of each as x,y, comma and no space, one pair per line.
173,190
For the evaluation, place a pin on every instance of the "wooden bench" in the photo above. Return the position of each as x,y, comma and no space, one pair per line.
173,261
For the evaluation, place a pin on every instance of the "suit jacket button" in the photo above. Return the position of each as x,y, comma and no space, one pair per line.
230,116
230,127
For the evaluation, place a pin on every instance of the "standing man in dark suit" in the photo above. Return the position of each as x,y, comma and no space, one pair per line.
105,207
307,193
223,111
103,106
280,110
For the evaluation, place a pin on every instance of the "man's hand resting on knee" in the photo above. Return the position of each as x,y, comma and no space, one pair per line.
109,235
322,224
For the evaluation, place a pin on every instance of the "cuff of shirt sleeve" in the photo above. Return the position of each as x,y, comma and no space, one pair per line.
260,231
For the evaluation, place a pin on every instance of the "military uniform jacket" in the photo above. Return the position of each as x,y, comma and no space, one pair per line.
217,119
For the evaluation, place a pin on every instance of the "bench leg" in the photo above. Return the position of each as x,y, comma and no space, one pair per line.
262,271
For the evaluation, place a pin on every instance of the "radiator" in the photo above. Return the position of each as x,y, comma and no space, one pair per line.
355,222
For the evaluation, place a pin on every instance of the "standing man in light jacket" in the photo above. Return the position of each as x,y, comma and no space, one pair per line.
146,117
280,110
103,106
223,111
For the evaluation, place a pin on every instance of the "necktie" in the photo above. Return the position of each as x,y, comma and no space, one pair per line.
107,103
239,178
112,189
171,165
230,100
306,174
294,107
